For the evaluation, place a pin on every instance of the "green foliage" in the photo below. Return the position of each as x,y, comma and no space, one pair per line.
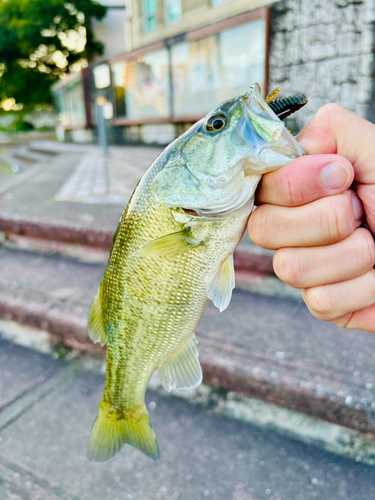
18,124
39,41
23,126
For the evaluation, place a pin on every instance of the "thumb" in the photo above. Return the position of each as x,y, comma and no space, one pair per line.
335,130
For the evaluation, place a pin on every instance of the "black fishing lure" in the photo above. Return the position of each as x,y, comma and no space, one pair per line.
285,106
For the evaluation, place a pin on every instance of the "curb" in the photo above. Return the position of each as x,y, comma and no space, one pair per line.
59,237
56,232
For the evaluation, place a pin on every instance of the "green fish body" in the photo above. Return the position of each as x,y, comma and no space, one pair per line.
172,252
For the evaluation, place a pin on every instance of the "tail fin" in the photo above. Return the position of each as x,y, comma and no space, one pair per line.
110,433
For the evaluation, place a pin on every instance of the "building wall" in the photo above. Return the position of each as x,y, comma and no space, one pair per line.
195,13
325,48
111,30
161,89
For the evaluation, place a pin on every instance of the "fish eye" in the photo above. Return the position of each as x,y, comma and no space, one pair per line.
216,122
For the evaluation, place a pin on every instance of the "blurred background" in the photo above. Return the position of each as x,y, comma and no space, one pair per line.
161,65
90,93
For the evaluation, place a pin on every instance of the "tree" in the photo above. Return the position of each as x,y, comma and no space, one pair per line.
41,41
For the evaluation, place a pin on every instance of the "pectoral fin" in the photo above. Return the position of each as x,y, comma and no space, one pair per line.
95,322
220,291
170,244
183,371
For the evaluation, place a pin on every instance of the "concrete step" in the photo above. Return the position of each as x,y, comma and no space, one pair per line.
74,239
23,154
265,347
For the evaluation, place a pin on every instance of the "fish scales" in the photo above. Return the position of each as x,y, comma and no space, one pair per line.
172,252
151,335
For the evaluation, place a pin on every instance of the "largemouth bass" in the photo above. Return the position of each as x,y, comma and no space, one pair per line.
172,252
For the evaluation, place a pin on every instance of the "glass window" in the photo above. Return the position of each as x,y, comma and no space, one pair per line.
172,11
150,8
213,69
102,76
218,2
71,104
142,86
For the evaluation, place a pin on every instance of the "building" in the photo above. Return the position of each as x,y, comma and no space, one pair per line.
183,57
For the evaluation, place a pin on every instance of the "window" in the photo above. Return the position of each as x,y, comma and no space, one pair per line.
142,86
172,11
213,69
102,76
218,2
70,104
150,8
199,72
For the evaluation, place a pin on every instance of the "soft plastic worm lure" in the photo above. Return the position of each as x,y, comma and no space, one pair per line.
285,106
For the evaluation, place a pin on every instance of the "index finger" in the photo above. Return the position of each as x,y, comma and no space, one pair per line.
334,129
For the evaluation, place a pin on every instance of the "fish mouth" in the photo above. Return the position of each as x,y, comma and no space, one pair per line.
254,97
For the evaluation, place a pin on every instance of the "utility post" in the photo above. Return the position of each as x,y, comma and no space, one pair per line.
102,128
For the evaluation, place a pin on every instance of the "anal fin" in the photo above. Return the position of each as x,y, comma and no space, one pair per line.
183,371
95,321
220,291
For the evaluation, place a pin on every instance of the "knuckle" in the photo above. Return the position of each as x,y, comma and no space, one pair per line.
368,248
260,225
371,282
318,303
286,266
257,224
328,112
337,225
324,119
289,188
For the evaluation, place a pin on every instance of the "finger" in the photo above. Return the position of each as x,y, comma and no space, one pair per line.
329,302
334,129
321,222
313,266
364,319
366,193
306,179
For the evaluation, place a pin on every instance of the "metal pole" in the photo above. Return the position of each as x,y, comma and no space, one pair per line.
102,128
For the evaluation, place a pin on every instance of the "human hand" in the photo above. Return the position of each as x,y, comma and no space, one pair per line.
307,212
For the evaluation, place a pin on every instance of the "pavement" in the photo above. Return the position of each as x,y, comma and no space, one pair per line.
44,191
48,406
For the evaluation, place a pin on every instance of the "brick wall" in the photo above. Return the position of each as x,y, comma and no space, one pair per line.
324,46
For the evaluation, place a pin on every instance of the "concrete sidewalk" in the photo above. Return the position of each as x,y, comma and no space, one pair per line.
48,407
73,176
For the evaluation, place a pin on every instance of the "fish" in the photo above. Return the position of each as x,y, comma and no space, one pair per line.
173,252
